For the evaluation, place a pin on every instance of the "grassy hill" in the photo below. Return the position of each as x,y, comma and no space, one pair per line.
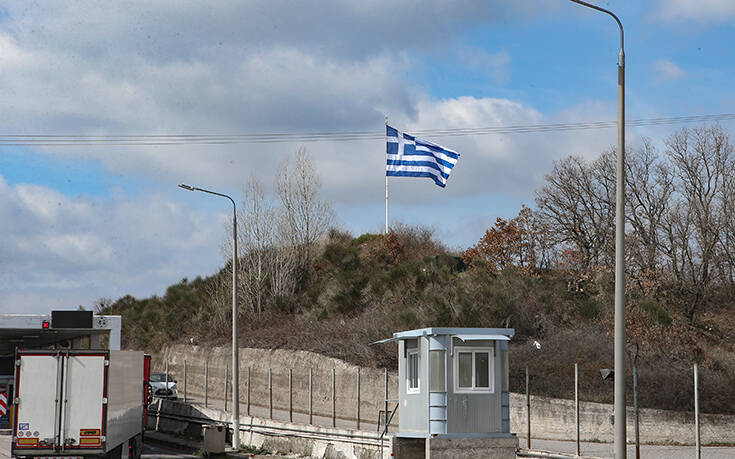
355,291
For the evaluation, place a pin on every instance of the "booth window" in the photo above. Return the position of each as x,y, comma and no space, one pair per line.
412,372
473,370
438,375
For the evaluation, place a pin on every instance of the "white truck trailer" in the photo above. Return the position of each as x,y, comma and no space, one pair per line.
79,403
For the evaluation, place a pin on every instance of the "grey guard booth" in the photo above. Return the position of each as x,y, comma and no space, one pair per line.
441,403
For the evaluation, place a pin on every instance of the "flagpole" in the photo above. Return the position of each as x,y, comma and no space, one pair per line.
386,181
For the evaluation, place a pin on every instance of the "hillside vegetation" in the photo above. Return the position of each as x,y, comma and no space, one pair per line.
548,273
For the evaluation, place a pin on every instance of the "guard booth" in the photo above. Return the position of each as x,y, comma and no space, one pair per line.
453,393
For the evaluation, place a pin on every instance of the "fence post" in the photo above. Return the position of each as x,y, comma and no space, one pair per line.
270,392
334,400
167,389
385,421
696,410
227,376
576,402
290,395
184,380
248,391
358,398
310,404
528,412
206,382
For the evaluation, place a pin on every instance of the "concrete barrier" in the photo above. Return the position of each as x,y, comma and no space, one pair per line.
553,419
282,437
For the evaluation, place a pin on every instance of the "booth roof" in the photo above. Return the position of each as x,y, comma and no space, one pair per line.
465,334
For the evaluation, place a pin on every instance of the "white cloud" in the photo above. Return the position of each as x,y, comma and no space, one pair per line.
700,11
11,55
666,70
88,248
232,68
237,67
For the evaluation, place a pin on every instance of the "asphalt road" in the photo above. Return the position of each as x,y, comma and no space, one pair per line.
159,451
604,450
607,450
151,450
156,450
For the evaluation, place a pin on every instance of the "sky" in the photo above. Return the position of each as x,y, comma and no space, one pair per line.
84,222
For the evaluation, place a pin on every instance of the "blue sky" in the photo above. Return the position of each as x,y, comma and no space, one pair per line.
84,222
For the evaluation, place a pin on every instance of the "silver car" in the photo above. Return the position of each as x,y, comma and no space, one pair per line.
161,389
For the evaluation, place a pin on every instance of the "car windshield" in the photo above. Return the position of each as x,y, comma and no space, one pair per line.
160,377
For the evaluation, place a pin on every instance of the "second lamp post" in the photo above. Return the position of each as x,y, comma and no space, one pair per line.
235,358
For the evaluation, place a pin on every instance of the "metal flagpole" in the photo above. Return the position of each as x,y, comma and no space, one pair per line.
386,179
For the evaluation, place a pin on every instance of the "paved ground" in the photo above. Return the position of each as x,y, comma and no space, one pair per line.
603,450
154,450
606,450
4,445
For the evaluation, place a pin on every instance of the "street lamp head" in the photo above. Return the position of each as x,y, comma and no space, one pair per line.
186,187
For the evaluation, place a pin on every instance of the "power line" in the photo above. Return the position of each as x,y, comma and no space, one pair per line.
62,140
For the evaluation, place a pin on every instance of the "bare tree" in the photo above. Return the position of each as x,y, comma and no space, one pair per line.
255,239
217,312
266,260
649,187
703,162
726,259
306,216
577,206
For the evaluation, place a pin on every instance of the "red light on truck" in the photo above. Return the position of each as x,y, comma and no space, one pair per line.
45,324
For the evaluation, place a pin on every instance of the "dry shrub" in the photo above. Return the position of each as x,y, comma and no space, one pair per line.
552,366
343,338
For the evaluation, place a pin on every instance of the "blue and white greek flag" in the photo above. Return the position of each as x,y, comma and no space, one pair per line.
412,157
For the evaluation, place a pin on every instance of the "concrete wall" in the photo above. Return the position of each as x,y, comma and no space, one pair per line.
311,441
455,448
550,418
471,448
554,419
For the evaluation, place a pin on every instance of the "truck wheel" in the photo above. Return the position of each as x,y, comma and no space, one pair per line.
115,453
137,443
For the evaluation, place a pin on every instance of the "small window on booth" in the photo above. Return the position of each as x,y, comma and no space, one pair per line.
438,375
473,370
412,371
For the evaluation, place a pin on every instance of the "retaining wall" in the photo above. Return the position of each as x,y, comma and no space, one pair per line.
283,437
550,418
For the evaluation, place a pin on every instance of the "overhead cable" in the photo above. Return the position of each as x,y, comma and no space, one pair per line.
58,140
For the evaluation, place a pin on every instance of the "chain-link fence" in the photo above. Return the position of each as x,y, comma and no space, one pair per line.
349,398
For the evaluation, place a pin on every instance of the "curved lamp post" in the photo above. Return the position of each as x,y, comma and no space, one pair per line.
235,350
620,421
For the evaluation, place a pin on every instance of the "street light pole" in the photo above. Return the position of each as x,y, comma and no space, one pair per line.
620,418
235,349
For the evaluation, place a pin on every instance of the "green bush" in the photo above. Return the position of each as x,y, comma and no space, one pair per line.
655,311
